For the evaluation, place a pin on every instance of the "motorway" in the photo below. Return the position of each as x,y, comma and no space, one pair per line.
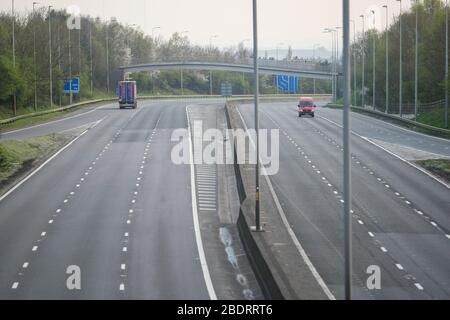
114,207
140,227
401,216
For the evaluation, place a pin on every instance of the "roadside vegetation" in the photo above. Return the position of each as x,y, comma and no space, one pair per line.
126,45
19,156
440,167
431,62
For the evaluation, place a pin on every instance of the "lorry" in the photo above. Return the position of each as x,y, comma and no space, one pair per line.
127,92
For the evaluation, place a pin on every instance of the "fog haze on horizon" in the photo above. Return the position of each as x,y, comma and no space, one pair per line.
283,23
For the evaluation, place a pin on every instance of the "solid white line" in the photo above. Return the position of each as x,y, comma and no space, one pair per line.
198,236
300,249
395,155
55,121
418,286
41,166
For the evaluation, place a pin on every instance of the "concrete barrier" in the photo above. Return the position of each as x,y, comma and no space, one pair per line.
413,125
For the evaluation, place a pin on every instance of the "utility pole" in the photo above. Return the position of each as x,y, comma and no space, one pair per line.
210,71
278,44
354,62
91,57
314,60
347,154
416,75
34,56
446,66
14,53
107,56
387,60
400,97
363,93
181,70
70,69
50,53
374,67
256,93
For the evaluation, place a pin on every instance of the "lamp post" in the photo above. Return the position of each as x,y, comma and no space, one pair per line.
91,62
400,95
354,62
256,98
210,71
338,61
416,75
333,56
34,57
243,73
50,53
278,45
363,93
374,66
314,60
446,66
181,70
387,60
14,52
107,56
70,68
347,153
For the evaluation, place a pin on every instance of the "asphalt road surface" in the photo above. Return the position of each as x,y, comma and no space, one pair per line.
113,208
401,215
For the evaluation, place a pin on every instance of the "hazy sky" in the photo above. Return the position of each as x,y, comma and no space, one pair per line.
298,23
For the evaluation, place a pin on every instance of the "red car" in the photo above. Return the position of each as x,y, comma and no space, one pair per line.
306,106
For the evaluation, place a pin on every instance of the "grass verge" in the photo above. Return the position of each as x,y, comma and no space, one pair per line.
18,157
439,167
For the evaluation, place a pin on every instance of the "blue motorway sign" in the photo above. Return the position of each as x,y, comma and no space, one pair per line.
75,85
286,84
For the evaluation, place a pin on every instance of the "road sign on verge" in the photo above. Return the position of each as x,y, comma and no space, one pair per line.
75,85
226,89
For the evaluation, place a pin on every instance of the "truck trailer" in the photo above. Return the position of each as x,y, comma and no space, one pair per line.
127,92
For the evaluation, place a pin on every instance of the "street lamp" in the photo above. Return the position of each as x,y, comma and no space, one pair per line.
314,60
210,71
333,56
446,65
401,64
50,53
416,75
387,60
243,73
363,93
14,52
374,61
34,57
278,45
256,102
181,70
354,61
347,154
153,31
